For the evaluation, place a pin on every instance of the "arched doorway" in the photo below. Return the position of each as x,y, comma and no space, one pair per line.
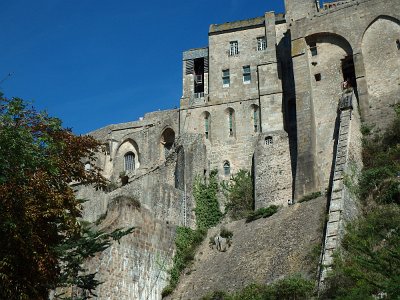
167,142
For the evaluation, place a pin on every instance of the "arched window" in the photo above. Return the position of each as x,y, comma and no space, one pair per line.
129,161
167,142
227,168
269,140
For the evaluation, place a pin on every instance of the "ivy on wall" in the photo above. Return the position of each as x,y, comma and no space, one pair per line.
207,209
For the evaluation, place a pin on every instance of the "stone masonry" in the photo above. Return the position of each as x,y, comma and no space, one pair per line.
262,96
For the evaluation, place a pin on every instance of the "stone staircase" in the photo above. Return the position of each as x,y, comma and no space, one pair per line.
335,224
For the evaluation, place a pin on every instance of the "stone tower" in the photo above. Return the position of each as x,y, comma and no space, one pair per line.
298,9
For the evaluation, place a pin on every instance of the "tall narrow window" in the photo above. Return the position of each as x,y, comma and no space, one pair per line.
227,168
129,161
246,75
233,48
256,120
226,80
261,43
231,122
207,125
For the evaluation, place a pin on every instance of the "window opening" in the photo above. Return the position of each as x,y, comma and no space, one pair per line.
231,120
168,141
317,77
261,43
226,81
398,44
129,160
313,49
227,168
255,118
207,126
198,74
269,140
88,166
349,74
233,48
246,74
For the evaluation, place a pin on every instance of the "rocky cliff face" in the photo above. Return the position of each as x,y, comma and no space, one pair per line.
136,267
261,252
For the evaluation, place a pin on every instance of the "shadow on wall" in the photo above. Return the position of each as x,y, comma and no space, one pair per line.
286,74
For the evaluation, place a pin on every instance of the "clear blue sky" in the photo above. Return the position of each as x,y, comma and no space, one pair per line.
97,62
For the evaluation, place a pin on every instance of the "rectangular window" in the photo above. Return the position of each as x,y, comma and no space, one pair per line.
226,81
206,126
246,74
313,49
233,48
255,118
261,43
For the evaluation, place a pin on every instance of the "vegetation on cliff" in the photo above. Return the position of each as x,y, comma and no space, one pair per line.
187,240
205,194
369,265
43,242
289,288
239,194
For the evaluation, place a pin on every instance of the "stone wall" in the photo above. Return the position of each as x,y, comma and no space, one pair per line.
272,170
354,28
343,204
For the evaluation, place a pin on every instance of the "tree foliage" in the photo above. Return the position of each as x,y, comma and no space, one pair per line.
43,243
239,193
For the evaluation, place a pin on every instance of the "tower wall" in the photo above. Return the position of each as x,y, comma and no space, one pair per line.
298,9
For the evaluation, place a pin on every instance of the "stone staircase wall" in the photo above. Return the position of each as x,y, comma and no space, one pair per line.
347,165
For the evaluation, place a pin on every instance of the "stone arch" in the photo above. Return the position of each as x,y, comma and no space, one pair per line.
381,58
230,113
333,61
167,142
128,146
205,121
255,117
333,48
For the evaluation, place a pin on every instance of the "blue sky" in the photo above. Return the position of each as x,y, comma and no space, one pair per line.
97,62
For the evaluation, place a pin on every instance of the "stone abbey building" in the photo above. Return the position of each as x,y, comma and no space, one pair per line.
264,96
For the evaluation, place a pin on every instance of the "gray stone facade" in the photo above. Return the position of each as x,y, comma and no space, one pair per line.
274,76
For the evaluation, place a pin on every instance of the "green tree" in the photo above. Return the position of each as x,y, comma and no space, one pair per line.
43,242
239,193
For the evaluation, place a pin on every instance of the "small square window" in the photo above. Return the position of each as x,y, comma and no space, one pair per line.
233,48
269,140
313,49
226,81
317,77
261,43
246,74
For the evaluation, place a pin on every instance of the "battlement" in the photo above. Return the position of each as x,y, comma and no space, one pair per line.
237,25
